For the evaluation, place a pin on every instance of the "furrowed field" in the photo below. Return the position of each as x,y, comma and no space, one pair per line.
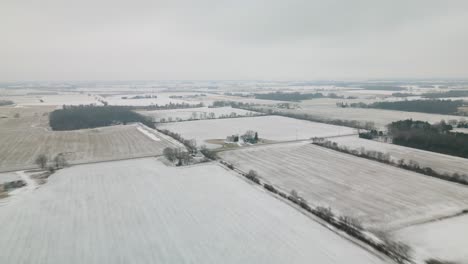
439,162
141,211
23,138
327,109
379,195
274,128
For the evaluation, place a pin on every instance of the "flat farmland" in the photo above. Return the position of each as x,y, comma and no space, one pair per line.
445,239
195,113
379,195
275,128
20,147
141,211
439,162
327,109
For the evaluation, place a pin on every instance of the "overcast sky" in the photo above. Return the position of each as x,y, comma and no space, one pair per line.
237,39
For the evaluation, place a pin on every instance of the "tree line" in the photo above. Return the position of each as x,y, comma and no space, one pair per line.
385,158
398,251
445,107
296,96
91,116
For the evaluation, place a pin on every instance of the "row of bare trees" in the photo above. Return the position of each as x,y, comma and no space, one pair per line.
58,162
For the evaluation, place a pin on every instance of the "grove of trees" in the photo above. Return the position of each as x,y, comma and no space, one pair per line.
91,116
445,107
422,135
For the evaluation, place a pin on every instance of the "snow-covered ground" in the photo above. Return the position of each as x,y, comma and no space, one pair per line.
460,130
327,109
380,195
446,239
195,113
162,99
20,147
439,162
141,211
54,99
275,128
9,177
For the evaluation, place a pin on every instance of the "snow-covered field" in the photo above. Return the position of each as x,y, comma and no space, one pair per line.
439,162
141,211
195,113
379,195
162,99
21,147
9,177
327,109
275,128
445,239
54,100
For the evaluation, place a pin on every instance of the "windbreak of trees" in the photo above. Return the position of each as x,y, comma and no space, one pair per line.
385,158
451,93
91,116
402,94
170,105
422,135
296,96
445,107
382,88
279,96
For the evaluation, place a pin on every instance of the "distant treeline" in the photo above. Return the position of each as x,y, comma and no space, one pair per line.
296,96
402,94
171,105
445,107
382,87
6,102
422,135
91,116
451,93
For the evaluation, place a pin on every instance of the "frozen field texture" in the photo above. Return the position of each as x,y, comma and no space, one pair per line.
379,195
141,211
445,239
54,99
21,147
162,99
9,177
274,128
439,162
195,113
328,110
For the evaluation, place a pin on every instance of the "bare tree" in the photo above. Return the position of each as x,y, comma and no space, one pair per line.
60,161
41,161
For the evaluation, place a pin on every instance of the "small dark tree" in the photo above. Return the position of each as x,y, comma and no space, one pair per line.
169,153
60,161
41,161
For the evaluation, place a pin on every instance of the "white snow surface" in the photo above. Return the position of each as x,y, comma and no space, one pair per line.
148,133
186,114
446,239
381,196
275,128
439,162
141,211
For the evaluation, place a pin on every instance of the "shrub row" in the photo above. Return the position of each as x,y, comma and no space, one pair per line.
190,144
396,250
